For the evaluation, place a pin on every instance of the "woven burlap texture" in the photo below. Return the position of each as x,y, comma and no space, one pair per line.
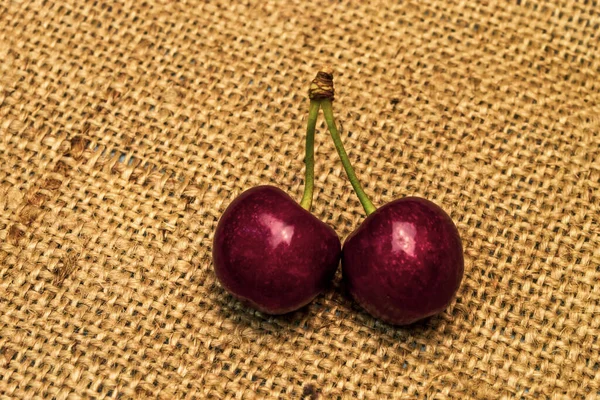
127,128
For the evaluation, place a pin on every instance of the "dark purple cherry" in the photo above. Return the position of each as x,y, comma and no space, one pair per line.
271,253
404,262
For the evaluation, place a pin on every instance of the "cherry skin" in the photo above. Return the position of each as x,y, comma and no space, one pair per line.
271,253
404,262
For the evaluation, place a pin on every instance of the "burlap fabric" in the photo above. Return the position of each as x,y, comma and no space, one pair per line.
127,128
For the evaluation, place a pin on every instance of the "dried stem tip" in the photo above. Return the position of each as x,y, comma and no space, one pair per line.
322,86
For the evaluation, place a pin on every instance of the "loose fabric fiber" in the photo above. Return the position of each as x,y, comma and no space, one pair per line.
127,127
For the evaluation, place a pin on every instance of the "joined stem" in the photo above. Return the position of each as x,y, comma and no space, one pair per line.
309,158
362,196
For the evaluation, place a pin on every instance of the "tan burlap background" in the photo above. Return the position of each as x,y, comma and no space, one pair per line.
126,129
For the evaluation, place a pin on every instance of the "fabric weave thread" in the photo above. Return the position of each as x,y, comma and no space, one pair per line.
126,129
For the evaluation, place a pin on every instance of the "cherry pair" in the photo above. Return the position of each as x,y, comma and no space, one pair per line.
403,263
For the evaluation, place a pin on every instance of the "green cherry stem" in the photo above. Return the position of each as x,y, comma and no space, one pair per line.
362,196
309,158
